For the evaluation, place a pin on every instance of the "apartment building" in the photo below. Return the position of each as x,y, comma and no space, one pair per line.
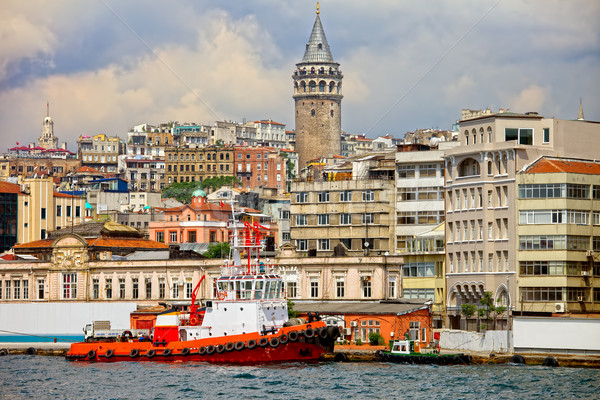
194,164
270,134
42,210
9,200
350,204
481,192
558,231
100,151
145,174
260,167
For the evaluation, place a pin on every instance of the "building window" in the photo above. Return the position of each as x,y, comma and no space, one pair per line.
188,289
301,197
191,236
302,244
108,287
301,220
121,288
135,288
68,211
427,170
160,237
161,288
69,285
43,213
365,287
17,290
367,218
339,287
345,219
392,287
96,288
546,135
314,288
292,290
323,197
58,211
418,269
406,171
148,288
172,237
323,219
41,284
8,290
345,195
368,195
323,244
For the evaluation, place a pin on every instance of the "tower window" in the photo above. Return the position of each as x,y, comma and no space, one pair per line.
320,46
312,112
331,112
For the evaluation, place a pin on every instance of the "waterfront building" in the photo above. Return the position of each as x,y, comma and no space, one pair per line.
424,273
351,203
481,192
558,231
100,151
318,99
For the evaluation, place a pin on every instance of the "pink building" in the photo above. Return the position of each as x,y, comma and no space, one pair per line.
203,222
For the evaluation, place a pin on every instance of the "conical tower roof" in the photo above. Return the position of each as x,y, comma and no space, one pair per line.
580,117
317,48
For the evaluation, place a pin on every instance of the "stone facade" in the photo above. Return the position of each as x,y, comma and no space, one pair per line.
318,100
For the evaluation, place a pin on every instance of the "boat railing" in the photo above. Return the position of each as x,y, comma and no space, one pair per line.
253,268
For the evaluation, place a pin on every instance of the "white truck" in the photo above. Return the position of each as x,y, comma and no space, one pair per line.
100,330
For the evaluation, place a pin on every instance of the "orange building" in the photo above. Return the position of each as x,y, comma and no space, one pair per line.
391,319
203,222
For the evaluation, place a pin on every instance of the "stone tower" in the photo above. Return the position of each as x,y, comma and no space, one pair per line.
318,99
48,140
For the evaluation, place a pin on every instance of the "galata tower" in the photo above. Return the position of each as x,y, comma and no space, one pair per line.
318,98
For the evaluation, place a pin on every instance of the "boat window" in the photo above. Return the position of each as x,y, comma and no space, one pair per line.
247,290
237,289
222,285
259,289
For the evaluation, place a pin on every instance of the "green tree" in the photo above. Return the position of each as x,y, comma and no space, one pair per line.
181,191
217,250
375,339
468,310
217,182
291,312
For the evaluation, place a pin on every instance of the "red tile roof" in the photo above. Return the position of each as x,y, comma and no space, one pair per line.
57,194
85,168
554,165
6,187
100,242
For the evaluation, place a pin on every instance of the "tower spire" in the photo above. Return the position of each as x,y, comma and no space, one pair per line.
318,12
580,115
47,109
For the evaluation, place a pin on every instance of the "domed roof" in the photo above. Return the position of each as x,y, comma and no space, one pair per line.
199,193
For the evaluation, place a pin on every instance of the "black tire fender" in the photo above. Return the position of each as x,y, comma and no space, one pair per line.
274,342
293,336
220,348
309,332
202,350
109,353
167,352
251,344
230,346
134,353
263,342
91,355
150,353
210,349
283,338
185,351
240,346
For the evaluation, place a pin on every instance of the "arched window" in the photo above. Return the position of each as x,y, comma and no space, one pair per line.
331,112
466,137
489,131
322,86
474,136
481,133
303,86
331,86
312,70
330,71
322,70
469,167
312,112
313,86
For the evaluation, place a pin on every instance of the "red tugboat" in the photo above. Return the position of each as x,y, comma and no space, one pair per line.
247,323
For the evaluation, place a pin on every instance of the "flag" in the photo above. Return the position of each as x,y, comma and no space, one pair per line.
222,204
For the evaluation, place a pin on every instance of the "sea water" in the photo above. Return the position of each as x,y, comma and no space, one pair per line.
42,377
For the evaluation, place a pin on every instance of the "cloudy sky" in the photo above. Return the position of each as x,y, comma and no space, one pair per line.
106,65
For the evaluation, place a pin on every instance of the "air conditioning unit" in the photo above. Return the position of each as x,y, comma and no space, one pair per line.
585,273
559,307
353,324
579,298
347,332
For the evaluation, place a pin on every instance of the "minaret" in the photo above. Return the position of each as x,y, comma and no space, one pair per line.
580,116
48,140
318,99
